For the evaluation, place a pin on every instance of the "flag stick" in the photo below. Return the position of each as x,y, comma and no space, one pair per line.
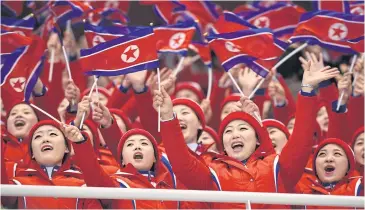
159,107
179,66
256,88
84,114
67,63
210,82
235,83
46,113
343,93
290,55
96,89
51,66
256,115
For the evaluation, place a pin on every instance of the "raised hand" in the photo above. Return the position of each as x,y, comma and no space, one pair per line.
359,85
249,106
62,107
101,115
167,80
137,80
82,107
54,43
224,81
344,86
72,133
311,61
277,92
162,99
313,76
248,79
207,109
72,92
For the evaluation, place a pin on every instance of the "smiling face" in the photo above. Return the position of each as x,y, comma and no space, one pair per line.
239,140
359,149
322,118
278,139
331,163
185,93
21,119
189,123
139,151
48,146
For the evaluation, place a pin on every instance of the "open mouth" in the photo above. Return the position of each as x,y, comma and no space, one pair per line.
237,146
183,126
329,169
46,148
138,156
273,144
19,123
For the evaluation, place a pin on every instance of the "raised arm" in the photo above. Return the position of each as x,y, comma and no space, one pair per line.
185,164
295,154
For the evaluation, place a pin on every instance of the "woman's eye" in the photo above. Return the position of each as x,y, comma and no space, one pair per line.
129,144
12,114
26,112
338,154
185,113
37,136
144,144
322,154
228,131
53,134
243,129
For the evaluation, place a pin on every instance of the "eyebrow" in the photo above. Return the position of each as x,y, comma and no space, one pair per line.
337,150
143,140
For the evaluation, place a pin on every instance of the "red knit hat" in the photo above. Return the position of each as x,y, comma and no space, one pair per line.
38,125
212,133
192,105
192,86
265,147
101,90
123,116
135,132
231,98
276,124
349,153
356,134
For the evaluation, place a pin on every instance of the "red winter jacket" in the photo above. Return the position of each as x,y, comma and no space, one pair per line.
261,172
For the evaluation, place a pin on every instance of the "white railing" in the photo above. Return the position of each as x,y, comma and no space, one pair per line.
181,195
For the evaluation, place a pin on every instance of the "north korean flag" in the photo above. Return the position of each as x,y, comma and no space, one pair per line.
22,26
120,5
66,10
20,71
357,7
130,53
331,30
203,50
230,55
99,34
174,38
206,10
273,18
98,16
259,43
336,6
10,41
266,4
230,22
244,10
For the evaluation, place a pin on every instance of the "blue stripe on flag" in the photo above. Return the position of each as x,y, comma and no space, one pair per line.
149,65
9,61
26,23
349,17
32,80
109,44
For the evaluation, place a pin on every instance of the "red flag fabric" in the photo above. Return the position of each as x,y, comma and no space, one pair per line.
203,50
10,41
175,38
121,5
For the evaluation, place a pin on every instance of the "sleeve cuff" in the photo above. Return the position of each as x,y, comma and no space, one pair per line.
123,89
260,92
324,84
311,94
343,108
173,117
83,141
71,110
145,89
280,105
44,91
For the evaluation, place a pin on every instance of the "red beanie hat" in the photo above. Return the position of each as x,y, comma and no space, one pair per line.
135,132
276,124
231,98
356,134
123,116
349,153
192,86
38,125
101,90
212,133
192,105
262,134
